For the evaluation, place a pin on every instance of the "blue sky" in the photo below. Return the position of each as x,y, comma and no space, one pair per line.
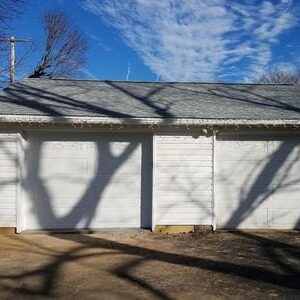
175,40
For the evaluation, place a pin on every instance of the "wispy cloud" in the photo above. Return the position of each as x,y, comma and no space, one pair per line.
191,40
100,43
287,66
87,74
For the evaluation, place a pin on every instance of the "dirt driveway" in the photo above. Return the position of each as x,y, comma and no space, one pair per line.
136,265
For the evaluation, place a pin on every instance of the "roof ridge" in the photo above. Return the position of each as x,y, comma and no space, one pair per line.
156,82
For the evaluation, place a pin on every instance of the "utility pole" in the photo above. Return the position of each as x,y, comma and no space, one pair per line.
12,40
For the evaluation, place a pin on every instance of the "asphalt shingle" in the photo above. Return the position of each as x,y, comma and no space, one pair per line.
61,97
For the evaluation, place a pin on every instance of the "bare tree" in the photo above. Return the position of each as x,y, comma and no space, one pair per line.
8,10
277,75
65,47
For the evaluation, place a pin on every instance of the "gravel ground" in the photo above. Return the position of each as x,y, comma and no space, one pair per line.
140,264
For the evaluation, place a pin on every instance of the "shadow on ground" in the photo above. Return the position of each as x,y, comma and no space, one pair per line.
141,264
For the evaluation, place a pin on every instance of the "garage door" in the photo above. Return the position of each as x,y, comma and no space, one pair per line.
258,183
97,181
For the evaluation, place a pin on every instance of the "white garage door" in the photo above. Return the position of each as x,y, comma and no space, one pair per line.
93,182
258,183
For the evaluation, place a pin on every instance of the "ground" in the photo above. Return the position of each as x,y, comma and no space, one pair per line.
140,264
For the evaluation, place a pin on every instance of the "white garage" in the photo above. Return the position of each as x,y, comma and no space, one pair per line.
80,154
258,181
85,181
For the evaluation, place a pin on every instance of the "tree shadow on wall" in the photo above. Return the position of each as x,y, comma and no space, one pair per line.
104,169
276,175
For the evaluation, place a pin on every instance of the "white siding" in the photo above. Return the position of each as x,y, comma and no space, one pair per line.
259,182
183,180
8,179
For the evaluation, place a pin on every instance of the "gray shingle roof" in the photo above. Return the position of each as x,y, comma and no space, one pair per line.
59,97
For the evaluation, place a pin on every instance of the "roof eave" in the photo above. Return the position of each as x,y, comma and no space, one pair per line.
78,121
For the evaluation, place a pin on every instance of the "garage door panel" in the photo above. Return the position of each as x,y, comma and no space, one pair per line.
60,167
288,149
289,196
127,168
104,165
285,156
119,180
283,218
116,218
62,223
241,157
117,192
52,148
245,179
277,198
256,219
285,173
104,172
244,166
234,196
242,173
247,150
66,189
64,210
253,190
131,160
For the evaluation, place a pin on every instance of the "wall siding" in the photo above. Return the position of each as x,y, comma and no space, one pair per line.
8,179
183,180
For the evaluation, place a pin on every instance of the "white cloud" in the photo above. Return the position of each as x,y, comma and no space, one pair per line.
192,40
100,44
287,66
88,74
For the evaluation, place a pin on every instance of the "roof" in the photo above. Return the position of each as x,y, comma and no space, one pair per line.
167,100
